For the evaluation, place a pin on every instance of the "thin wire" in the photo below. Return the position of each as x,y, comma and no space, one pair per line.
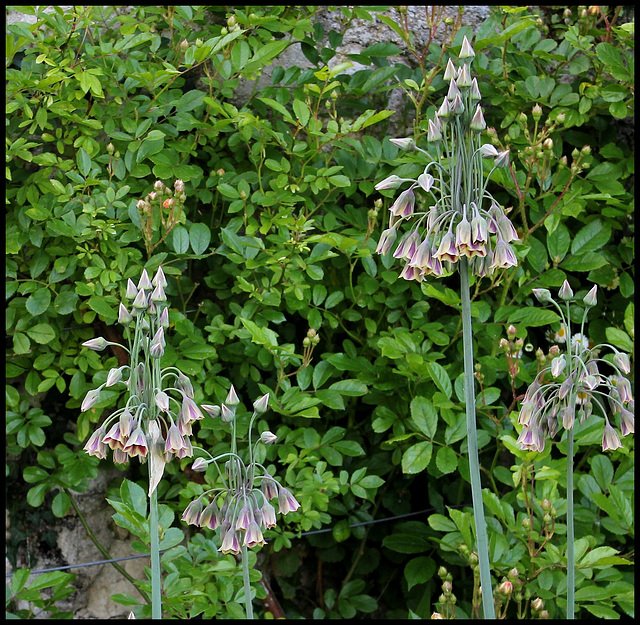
309,533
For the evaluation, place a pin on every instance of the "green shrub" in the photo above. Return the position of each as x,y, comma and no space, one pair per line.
275,287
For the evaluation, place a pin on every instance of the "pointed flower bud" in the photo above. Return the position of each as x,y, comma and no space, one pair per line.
464,76
144,282
453,91
488,151
466,51
164,318
159,279
590,299
212,411
475,90
268,438
97,344
158,294
390,182
450,70
433,134
543,295
124,316
387,239
457,105
90,400
132,291
199,464
425,181
622,361
502,160
407,144
445,110
140,302
114,376
162,401
477,121
565,291
232,397
261,405
557,365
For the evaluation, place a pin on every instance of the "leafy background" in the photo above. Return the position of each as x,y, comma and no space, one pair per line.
278,238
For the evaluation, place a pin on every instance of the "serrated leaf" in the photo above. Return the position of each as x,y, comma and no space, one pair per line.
441,378
102,308
42,333
533,317
38,302
446,460
619,338
417,457
424,415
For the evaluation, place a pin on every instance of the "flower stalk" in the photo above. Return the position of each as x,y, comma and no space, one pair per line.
460,226
241,507
576,387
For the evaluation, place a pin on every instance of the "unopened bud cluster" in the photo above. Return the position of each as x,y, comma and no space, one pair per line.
573,384
168,204
241,508
160,408
463,218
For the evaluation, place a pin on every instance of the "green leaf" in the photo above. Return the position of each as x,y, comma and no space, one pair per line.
585,262
302,112
42,333
199,236
441,378
38,301
349,387
424,415
618,338
441,523
180,240
102,308
21,343
417,457
83,161
60,504
419,570
591,237
533,317
406,542
446,460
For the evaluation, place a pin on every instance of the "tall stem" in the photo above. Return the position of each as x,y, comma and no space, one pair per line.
571,559
156,599
472,444
247,584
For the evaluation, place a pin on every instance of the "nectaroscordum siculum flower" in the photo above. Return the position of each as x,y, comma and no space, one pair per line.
577,384
160,407
460,217
241,508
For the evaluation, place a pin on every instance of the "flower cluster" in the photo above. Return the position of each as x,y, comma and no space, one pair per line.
159,411
576,384
241,508
464,219
162,205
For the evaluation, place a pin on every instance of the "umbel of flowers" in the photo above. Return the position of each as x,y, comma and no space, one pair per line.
241,508
462,218
155,422
575,382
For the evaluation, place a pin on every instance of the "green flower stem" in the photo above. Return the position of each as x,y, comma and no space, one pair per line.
571,557
472,444
156,599
247,584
